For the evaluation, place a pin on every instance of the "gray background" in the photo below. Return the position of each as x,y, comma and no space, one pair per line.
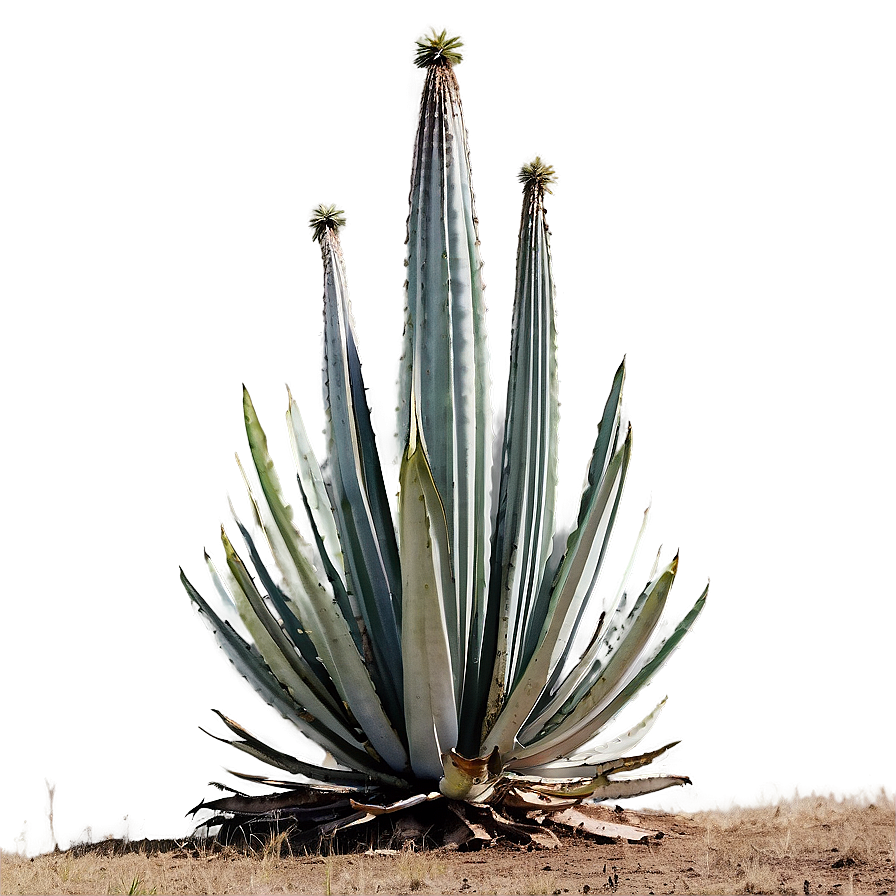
724,217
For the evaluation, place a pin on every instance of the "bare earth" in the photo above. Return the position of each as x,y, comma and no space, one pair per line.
810,845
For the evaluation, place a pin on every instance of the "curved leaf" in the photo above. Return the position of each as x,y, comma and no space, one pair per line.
325,624
574,581
429,695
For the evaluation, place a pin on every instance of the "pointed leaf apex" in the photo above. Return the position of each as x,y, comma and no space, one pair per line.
325,218
438,49
537,176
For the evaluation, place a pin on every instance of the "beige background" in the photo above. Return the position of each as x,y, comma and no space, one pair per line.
723,217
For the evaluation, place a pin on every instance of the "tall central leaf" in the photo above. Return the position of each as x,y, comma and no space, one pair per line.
444,364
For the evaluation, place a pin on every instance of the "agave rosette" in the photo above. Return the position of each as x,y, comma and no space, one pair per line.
435,659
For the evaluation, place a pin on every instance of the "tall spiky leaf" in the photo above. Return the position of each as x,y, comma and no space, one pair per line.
525,520
445,362
360,503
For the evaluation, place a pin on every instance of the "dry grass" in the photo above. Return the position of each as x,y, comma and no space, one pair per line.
809,845
761,850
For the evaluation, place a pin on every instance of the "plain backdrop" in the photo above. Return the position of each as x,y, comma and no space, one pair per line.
723,217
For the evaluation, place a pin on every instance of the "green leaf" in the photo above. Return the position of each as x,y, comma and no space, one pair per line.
314,490
429,696
657,658
254,747
359,496
570,769
292,625
253,669
325,624
525,520
445,367
592,712
621,744
606,662
279,653
581,565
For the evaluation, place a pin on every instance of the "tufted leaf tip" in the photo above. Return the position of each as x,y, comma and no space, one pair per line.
537,176
325,218
438,49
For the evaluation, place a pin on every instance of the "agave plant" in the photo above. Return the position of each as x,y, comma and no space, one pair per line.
448,657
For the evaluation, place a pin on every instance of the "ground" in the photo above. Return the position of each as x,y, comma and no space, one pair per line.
809,845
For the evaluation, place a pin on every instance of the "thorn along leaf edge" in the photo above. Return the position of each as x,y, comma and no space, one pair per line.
433,659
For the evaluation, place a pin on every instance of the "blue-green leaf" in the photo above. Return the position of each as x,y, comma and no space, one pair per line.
360,503
318,608
429,694
445,365
525,519
575,580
